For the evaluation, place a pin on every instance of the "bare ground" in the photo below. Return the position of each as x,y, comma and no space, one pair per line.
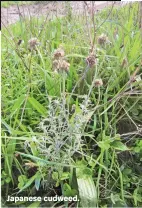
12,14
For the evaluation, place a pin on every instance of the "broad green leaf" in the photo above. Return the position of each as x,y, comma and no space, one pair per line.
18,103
55,176
119,146
29,182
64,176
7,180
83,172
22,181
68,191
36,105
105,145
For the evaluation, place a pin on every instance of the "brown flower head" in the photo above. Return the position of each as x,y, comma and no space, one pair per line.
55,65
60,66
59,53
33,42
64,66
98,83
102,39
91,60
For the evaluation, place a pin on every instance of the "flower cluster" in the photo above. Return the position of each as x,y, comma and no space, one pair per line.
103,39
60,66
33,42
91,60
59,63
98,83
59,53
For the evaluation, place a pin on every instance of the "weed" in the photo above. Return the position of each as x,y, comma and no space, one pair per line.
71,108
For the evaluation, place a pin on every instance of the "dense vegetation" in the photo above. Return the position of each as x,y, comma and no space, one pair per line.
72,109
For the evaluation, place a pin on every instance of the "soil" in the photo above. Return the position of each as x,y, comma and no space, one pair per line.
13,13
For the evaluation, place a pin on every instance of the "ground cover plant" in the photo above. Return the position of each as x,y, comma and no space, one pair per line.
72,109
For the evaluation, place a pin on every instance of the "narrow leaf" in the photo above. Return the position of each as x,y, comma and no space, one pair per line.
36,105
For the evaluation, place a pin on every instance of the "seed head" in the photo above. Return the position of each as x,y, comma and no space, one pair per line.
60,66
33,42
91,60
64,66
98,83
59,53
102,39
55,65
